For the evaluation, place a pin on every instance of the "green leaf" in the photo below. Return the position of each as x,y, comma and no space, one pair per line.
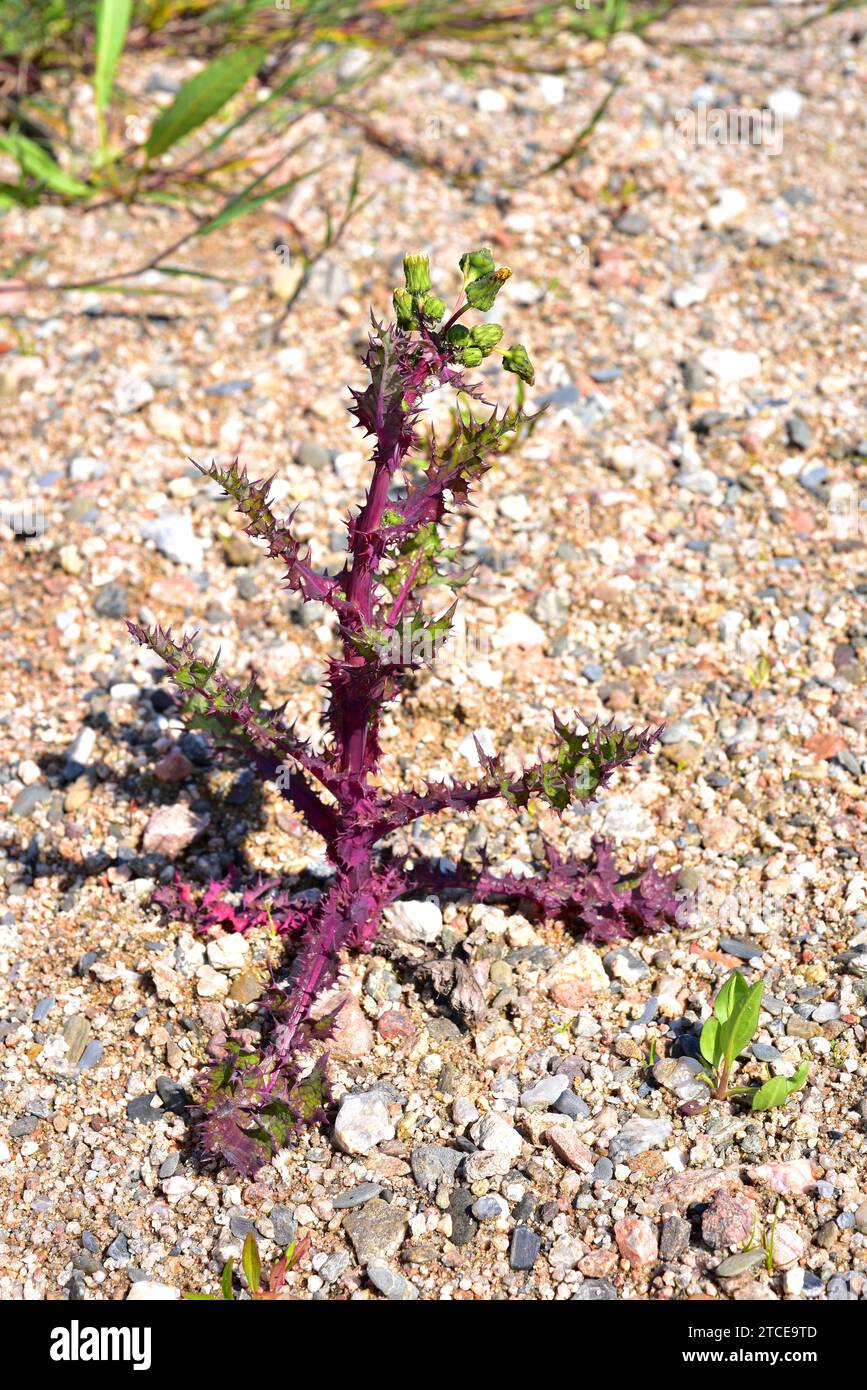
240,206
774,1092
201,1298
743,1023
711,1049
37,162
800,1077
112,25
734,989
202,97
226,1280
252,1263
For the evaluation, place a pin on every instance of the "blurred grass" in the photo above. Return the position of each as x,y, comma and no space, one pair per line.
261,67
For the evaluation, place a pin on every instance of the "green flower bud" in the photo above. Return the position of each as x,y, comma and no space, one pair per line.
417,272
457,334
433,308
476,263
404,308
517,361
486,335
482,292
471,356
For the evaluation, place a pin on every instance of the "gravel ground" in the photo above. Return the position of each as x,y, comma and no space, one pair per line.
679,540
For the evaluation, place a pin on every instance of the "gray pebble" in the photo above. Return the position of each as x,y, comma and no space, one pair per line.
284,1225
595,1291
433,1164
570,1104
357,1196
390,1283
43,1007
91,1056
461,1211
119,1250
525,1247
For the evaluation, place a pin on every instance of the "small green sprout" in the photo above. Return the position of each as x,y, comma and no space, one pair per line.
729,1030
252,1267
764,1239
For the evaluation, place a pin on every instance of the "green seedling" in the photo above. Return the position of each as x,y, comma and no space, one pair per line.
764,1239
729,1030
252,1267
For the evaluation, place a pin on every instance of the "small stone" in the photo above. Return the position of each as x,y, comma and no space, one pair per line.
636,1240
173,535
335,1266
491,102
798,432
210,983
788,1246
76,1035
43,1008
637,1136
376,1230
352,1032
500,1145
389,1282
490,1208
525,1247
112,601
625,965
362,1123
132,393
720,832
246,988
229,952
171,829
674,1237
786,103
151,1291
356,1196
603,1170
573,1106
433,1164
679,1075
731,204
118,1250
739,1263
544,1093
795,1176
729,365
29,798
729,1220
633,224
415,921
145,1109
91,1056
173,769
461,1213
595,1291
283,1224
579,974
567,1146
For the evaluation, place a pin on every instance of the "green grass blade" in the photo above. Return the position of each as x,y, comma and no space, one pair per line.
202,97
112,26
36,161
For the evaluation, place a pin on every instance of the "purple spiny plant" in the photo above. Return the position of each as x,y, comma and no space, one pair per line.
256,1096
